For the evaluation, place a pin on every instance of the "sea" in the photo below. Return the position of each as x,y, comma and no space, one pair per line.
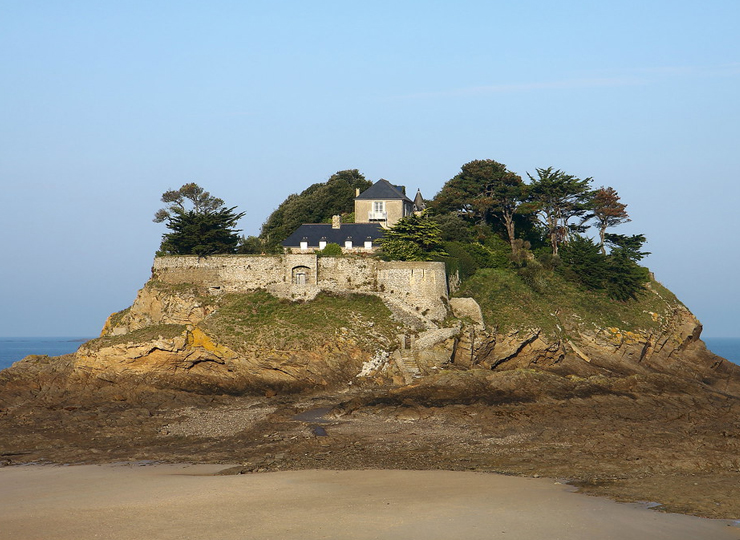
14,349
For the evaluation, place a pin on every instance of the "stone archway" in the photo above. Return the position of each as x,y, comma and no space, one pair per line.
301,275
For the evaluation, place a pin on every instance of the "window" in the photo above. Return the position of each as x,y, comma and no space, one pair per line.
378,207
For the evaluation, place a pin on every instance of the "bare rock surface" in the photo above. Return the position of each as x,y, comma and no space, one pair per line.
645,415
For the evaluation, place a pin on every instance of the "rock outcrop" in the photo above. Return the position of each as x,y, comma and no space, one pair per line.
185,337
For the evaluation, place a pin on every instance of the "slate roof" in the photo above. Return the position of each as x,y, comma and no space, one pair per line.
419,203
383,190
314,232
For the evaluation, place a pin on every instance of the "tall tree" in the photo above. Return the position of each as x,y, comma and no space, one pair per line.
608,212
413,238
200,223
556,198
483,191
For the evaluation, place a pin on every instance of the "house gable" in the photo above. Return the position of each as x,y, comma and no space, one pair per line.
382,203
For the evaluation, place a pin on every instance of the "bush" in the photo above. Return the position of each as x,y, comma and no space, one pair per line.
330,250
459,260
534,275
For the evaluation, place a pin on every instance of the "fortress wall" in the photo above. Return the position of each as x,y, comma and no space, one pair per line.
417,286
228,273
422,285
347,274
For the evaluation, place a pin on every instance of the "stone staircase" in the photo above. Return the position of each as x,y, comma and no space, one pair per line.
407,364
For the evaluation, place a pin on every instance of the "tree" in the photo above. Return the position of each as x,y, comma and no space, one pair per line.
583,262
316,204
200,223
483,191
629,246
608,211
413,238
555,198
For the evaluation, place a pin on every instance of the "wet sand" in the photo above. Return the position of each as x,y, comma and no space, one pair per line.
159,502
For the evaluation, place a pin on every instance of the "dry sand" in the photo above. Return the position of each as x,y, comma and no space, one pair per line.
158,502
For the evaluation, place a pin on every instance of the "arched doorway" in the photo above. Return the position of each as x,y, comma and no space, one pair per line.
301,275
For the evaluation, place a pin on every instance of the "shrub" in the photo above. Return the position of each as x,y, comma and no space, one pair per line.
330,250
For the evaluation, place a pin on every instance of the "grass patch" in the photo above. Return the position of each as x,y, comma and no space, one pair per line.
142,335
509,303
117,318
244,319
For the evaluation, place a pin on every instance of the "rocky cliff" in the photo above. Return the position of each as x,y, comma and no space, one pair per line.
185,338
516,379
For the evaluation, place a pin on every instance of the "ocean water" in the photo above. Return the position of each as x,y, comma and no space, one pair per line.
728,348
14,349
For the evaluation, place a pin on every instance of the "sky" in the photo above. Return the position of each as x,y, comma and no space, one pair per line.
106,105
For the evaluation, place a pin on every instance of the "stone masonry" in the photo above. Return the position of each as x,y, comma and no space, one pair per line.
418,288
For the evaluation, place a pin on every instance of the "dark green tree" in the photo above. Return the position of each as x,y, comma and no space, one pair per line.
583,262
200,224
629,246
556,198
413,238
625,278
617,273
316,204
484,191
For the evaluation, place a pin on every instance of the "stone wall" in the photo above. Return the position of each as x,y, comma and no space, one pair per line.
417,287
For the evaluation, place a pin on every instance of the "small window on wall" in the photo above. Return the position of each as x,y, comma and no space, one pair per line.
378,207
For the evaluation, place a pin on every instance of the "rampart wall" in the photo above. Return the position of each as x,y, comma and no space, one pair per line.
419,287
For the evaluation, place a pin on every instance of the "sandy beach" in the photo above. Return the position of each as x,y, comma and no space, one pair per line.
161,502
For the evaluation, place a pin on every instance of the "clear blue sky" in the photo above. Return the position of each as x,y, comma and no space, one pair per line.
105,105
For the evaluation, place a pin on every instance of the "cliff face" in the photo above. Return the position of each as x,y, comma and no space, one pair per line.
182,337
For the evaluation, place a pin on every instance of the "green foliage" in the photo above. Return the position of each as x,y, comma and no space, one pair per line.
316,204
330,250
200,224
629,246
465,193
250,245
244,318
396,249
625,278
413,238
510,303
583,262
142,335
453,228
618,273
534,275
608,211
459,260
484,191
556,198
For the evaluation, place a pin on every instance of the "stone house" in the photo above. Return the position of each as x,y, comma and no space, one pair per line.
377,208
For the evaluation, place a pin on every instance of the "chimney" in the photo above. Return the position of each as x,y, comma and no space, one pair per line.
357,192
336,221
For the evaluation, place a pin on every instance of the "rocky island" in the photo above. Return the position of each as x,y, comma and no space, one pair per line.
306,360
